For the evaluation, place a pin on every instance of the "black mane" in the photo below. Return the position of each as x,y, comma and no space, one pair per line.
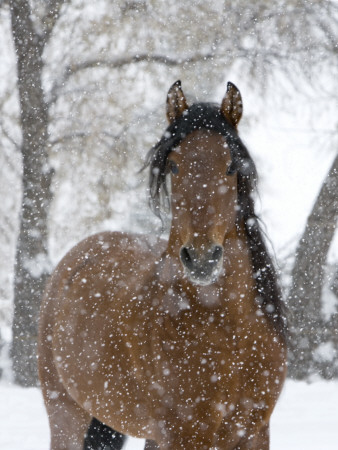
197,117
208,116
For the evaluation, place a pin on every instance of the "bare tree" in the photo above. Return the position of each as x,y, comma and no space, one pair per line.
32,261
308,329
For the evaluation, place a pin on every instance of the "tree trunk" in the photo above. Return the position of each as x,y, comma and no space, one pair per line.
32,261
307,326
334,284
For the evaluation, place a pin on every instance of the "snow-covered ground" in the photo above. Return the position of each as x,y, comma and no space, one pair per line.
306,418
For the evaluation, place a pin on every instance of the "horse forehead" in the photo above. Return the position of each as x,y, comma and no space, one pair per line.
206,149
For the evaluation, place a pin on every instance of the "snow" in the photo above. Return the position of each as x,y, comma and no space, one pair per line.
305,418
291,142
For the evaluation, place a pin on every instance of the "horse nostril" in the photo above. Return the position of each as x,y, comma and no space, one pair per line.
217,253
186,257
202,267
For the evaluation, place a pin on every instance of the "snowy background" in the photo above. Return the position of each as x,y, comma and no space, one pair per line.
304,419
102,125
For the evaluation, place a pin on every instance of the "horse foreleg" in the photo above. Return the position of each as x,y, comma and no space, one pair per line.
151,445
259,441
68,423
100,436
238,435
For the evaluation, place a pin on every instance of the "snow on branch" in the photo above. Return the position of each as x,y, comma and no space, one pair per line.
118,63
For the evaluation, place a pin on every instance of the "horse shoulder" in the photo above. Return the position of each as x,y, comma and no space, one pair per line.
109,249
104,263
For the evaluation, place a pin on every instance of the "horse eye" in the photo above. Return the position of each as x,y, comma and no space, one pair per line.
231,169
173,168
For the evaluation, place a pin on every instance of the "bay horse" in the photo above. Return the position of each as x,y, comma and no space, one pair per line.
181,343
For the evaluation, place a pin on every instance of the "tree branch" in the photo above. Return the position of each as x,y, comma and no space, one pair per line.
117,63
8,136
49,20
121,62
84,135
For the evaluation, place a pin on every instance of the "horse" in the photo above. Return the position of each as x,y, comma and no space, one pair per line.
179,342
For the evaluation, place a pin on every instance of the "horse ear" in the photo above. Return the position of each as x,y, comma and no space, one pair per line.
232,106
176,102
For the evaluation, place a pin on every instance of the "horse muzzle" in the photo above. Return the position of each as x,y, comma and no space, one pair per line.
202,268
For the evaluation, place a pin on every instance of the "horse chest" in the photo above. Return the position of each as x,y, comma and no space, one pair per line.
209,353
193,359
